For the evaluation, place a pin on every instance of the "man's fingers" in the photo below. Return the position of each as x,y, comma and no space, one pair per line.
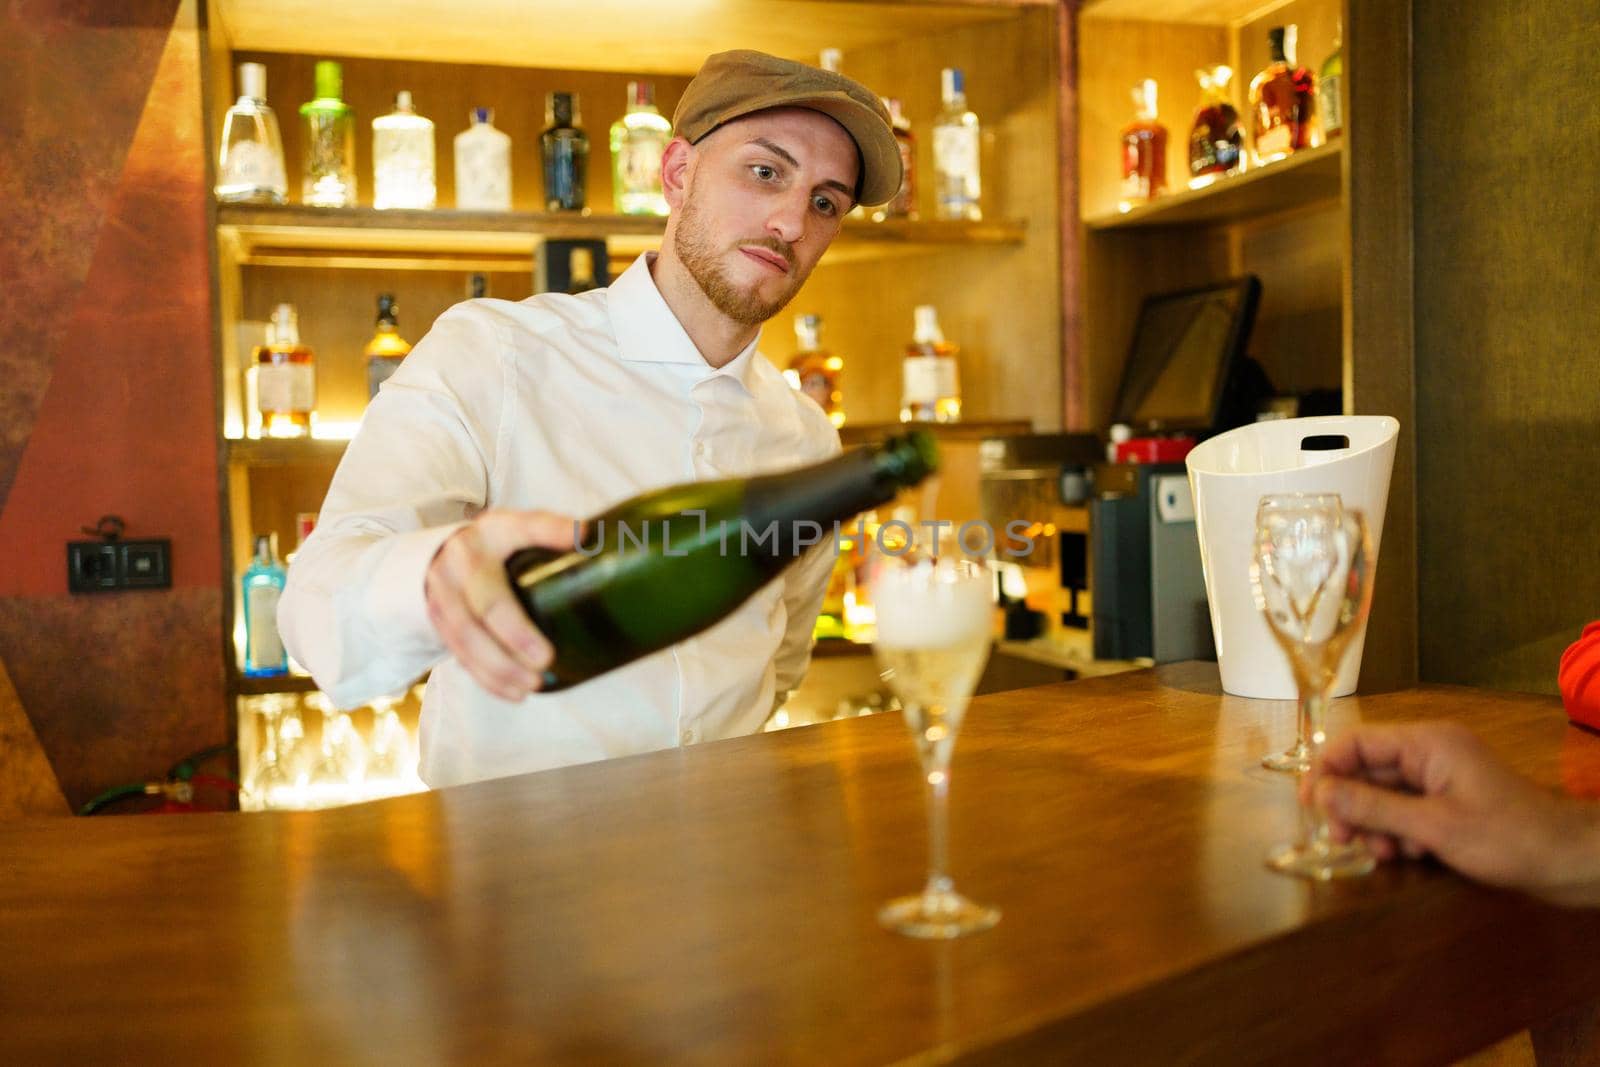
1371,808
509,625
503,532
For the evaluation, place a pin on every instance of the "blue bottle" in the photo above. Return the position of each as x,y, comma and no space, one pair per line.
262,585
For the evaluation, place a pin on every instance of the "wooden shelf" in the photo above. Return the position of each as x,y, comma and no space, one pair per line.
1196,12
1304,179
281,452
283,683
365,237
609,35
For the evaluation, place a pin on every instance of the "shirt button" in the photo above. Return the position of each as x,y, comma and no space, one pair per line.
688,737
699,448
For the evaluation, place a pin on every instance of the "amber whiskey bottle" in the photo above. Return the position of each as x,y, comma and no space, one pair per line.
1216,144
286,377
1283,102
1144,150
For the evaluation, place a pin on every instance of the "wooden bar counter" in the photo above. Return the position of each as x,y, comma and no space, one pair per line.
717,905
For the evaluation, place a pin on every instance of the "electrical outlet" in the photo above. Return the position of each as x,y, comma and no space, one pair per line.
102,566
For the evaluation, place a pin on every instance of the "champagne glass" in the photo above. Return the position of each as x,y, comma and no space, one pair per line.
269,783
933,609
1296,759
1312,578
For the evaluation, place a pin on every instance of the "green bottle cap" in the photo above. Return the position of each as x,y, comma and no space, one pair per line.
330,79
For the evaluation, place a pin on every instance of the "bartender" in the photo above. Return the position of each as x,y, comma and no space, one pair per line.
508,419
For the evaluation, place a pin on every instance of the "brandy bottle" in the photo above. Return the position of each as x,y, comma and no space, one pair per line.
1144,150
1283,102
1216,144
814,371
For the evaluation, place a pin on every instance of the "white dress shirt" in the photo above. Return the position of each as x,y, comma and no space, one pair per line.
568,404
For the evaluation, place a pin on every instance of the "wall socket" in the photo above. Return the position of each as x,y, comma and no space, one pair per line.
103,566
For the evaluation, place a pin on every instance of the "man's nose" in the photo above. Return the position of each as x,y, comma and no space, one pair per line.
787,219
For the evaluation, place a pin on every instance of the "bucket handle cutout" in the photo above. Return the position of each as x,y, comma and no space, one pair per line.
1324,442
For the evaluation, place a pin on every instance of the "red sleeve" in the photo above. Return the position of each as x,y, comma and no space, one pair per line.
1579,677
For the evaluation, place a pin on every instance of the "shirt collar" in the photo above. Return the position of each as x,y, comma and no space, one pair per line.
648,332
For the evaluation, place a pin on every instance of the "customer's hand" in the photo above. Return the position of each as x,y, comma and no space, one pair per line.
1436,788
472,607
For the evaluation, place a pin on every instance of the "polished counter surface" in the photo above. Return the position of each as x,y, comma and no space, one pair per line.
716,904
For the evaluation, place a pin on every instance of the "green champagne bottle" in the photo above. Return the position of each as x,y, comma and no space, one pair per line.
666,565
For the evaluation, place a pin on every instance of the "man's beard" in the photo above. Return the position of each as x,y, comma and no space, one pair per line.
743,306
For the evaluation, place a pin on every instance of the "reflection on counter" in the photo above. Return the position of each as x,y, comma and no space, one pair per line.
298,752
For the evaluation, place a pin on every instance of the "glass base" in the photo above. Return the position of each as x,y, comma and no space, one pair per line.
1323,862
937,916
1293,760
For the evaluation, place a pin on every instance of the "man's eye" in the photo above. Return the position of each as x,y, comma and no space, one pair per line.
824,205
764,172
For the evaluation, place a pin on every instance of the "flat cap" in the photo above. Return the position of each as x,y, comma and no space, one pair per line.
731,85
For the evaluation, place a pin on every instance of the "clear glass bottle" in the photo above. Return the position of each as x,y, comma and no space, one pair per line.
1216,144
955,152
286,377
1283,101
402,158
931,381
580,271
565,148
483,164
1144,150
261,586
250,166
387,348
815,371
904,203
637,141
330,136
1329,85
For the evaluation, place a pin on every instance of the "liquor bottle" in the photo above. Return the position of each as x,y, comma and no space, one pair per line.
565,148
402,157
1282,101
931,381
666,565
483,165
1215,141
955,152
477,286
1329,85
904,203
330,132
832,61
250,167
261,587
387,348
637,141
580,271
1144,150
286,377
815,372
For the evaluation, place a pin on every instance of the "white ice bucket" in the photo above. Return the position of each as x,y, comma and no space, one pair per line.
1351,455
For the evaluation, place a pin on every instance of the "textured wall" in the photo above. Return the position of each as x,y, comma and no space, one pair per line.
109,399
1508,336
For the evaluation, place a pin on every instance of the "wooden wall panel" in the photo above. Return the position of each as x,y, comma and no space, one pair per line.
110,326
1507,313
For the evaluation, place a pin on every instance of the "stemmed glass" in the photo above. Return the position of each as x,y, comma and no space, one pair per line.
270,782
933,615
340,764
1296,759
1312,578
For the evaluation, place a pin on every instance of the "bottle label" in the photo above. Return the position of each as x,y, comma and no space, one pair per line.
639,164
955,152
929,379
1277,141
265,647
286,388
252,164
483,173
1332,108
379,370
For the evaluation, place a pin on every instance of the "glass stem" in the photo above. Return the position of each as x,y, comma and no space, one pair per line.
1313,708
938,779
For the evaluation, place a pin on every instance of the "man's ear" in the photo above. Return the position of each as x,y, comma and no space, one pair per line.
675,171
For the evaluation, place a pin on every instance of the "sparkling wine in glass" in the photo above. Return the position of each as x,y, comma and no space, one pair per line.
1296,759
932,642
1312,578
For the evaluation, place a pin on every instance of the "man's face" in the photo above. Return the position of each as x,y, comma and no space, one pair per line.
764,196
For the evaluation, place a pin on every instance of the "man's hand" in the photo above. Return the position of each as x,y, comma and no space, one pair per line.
1436,788
471,604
